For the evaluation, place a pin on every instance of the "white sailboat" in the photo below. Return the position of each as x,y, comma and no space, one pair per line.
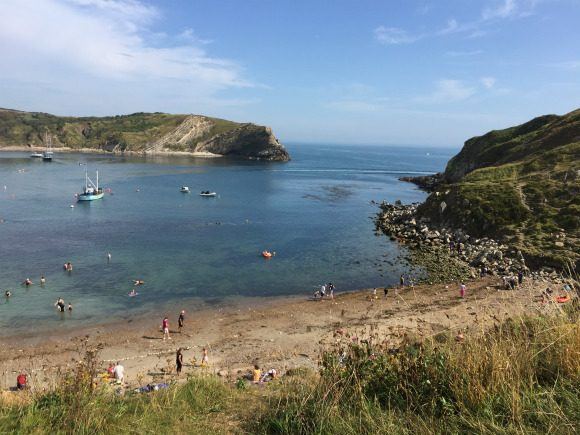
47,154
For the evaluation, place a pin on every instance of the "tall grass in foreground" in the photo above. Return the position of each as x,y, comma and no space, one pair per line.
522,376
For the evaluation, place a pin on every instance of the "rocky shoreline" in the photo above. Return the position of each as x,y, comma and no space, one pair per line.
446,253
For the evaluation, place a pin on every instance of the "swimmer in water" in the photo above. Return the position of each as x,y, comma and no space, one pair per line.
7,294
59,304
27,282
138,282
108,257
133,293
69,307
42,280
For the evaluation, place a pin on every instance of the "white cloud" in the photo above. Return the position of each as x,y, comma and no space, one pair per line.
452,26
463,53
393,36
488,82
505,9
447,91
85,44
567,65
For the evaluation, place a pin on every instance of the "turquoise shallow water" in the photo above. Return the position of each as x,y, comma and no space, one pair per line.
314,211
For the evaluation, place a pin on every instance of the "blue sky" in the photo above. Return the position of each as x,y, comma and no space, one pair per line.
359,72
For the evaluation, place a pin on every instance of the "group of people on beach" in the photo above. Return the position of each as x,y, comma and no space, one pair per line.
324,290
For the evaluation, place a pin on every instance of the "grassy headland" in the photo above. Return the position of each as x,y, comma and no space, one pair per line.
520,185
140,132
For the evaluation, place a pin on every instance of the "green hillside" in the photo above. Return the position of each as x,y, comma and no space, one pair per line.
140,132
521,184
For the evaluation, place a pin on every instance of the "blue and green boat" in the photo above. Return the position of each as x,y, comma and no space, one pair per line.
91,190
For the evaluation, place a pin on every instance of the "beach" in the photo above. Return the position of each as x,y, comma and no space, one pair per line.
281,333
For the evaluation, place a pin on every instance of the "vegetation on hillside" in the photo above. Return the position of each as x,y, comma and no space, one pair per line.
135,132
522,376
522,185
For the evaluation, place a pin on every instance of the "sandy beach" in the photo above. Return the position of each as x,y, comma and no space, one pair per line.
280,333
31,149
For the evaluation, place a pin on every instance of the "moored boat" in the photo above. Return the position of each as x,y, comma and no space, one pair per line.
207,193
184,189
91,190
47,154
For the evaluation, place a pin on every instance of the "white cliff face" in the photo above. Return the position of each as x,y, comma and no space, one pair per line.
193,128
197,134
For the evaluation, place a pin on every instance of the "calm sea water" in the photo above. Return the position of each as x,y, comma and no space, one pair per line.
314,211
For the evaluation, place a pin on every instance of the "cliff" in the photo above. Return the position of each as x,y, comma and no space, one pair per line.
146,133
521,185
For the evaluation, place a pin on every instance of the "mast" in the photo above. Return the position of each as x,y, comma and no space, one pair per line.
97,181
86,180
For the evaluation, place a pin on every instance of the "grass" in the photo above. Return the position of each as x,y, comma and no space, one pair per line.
523,376
126,132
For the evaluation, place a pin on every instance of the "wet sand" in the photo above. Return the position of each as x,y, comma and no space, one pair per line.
279,333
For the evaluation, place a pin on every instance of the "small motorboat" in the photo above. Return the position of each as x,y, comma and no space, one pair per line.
37,155
207,193
184,189
267,254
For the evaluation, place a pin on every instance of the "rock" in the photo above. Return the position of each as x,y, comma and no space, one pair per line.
559,244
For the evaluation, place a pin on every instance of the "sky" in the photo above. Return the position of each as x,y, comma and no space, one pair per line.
406,72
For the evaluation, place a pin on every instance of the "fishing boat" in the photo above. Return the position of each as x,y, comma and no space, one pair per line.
47,154
91,190
184,189
207,193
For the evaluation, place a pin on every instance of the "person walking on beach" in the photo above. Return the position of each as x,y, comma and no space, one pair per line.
180,320
386,292
402,280
165,326
520,277
204,358
462,289
331,290
179,360
119,372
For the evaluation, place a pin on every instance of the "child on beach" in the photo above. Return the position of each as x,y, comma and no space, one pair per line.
256,374
165,327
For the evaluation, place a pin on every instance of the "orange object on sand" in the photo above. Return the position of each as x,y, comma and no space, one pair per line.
562,299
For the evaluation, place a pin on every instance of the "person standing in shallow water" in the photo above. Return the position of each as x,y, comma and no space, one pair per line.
180,320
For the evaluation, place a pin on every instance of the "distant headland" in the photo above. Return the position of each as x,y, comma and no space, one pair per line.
141,133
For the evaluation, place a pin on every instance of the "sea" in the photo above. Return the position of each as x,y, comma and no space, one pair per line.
315,212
